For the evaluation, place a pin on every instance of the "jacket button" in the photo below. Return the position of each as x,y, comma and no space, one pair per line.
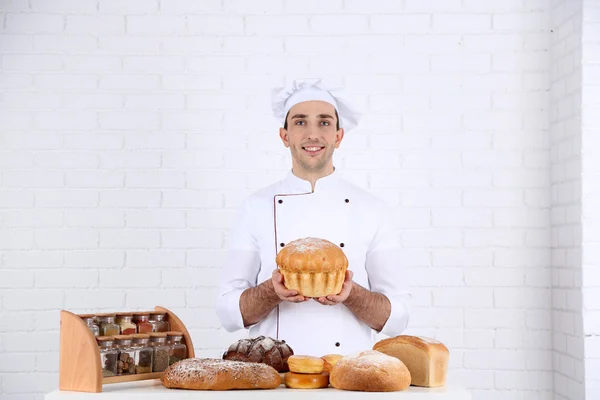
280,201
337,344
341,244
282,244
347,200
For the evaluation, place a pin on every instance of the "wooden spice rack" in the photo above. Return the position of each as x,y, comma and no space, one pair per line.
80,368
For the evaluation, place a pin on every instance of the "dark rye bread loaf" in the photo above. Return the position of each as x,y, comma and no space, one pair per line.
261,349
215,374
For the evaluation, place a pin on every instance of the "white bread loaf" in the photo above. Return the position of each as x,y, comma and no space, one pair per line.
425,358
369,371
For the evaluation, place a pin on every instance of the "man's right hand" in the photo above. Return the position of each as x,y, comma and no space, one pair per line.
284,293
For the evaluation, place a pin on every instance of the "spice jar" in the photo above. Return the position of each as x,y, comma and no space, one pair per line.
125,363
177,350
124,320
160,358
90,321
108,327
159,323
143,353
141,319
108,355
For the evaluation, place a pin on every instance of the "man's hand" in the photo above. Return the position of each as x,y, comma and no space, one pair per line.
282,292
334,299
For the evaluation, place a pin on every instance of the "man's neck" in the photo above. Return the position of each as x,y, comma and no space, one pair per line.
313,176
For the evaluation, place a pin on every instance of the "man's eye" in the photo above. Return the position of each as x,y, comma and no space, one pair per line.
300,122
325,122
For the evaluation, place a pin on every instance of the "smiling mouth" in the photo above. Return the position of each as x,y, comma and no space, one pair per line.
312,149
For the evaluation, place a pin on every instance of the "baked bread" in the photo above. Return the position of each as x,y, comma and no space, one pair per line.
293,380
330,361
370,371
215,374
313,267
261,349
306,364
425,358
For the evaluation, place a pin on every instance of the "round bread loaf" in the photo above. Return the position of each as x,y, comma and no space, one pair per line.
370,371
313,267
306,364
261,349
293,380
330,361
215,374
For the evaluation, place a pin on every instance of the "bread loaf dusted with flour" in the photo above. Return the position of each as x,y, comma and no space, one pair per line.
215,374
369,371
261,349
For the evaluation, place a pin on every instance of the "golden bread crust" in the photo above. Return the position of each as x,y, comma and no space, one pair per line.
426,359
330,361
294,380
314,267
306,364
311,255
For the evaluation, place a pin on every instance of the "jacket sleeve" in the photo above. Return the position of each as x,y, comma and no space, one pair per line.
386,272
240,272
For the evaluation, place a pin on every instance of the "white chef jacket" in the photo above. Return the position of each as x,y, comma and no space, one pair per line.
370,241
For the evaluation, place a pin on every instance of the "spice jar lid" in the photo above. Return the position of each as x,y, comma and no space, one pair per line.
141,336
158,334
174,333
124,314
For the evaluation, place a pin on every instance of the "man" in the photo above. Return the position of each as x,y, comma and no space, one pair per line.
314,201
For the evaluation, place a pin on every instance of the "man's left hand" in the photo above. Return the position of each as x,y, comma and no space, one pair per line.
334,299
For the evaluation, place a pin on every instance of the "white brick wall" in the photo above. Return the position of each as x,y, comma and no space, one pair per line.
590,191
130,131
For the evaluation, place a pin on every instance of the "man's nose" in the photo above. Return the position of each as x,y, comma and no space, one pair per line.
312,133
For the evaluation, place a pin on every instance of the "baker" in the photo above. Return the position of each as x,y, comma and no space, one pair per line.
313,200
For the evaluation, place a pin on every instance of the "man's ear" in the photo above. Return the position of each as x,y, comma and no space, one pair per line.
283,134
339,135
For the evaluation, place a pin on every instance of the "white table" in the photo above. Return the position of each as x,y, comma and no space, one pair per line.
152,389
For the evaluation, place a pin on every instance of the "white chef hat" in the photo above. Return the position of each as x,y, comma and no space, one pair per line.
284,98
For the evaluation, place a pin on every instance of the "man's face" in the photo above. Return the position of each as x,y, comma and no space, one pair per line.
311,135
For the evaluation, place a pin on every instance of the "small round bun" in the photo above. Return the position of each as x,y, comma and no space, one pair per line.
306,364
330,361
293,380
370,371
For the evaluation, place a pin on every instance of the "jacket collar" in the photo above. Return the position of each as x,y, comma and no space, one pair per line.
294,184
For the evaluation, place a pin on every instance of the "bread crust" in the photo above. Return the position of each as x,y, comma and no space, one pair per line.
370,371
311,255
426,358
261,349
294,380
330,361
306,364
313,267
217,374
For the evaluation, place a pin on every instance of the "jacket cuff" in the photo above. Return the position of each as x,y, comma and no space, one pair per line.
228,310
399,316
